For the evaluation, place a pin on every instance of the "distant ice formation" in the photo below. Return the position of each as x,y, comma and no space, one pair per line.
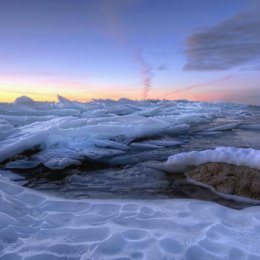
67,131
24,100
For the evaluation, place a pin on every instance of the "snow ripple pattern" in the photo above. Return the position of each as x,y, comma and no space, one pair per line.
36,226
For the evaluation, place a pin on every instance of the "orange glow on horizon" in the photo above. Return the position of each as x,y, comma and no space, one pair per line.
46,89
83,96
9,97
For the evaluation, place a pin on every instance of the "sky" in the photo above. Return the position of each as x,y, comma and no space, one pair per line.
206,50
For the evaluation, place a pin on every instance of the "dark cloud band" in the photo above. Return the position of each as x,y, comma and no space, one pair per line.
234,43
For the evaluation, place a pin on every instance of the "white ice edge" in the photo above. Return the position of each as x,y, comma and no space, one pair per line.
237,156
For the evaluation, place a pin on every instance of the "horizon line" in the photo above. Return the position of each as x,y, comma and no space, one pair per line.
61,99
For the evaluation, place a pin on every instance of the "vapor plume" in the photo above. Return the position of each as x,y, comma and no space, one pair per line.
194,86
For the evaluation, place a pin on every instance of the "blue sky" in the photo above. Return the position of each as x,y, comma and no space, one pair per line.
200,50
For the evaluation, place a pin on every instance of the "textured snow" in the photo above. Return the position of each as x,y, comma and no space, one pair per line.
38,226
67,132
236,156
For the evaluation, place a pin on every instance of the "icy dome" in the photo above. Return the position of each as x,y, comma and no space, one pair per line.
236,156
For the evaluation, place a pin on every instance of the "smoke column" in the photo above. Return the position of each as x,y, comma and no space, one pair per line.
146,72
112,15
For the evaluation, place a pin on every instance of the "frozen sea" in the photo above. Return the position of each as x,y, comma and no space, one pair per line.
98,180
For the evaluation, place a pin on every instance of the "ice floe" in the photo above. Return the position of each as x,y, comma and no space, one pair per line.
237,156
67,132
224,127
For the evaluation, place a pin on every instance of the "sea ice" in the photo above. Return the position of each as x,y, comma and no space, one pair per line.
237,156
224,127
34,225
68,132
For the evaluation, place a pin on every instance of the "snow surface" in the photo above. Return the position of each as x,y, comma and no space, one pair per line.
68,132
236,156
37,226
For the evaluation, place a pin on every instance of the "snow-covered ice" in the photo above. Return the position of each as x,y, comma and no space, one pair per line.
37,226
236,156
67,131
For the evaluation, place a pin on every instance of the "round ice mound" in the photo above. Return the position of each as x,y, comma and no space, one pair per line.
230,155
229,170
24,100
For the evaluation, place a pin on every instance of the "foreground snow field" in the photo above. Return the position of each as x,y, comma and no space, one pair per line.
37,226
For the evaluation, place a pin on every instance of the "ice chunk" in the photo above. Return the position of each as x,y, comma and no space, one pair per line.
237,156
10,175
165,142
22,164
155,144
60,163
27,137
5,128
145,145
250,127
224,127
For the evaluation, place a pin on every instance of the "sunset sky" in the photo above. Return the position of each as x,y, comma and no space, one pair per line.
84,49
